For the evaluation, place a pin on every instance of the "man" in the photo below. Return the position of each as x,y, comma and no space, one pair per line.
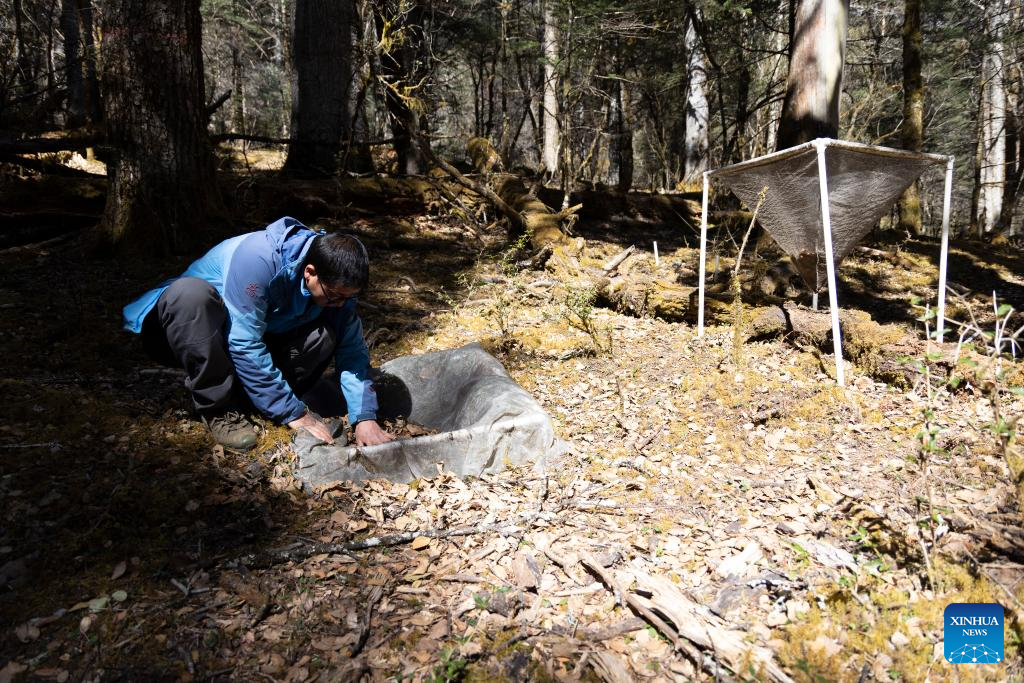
259,318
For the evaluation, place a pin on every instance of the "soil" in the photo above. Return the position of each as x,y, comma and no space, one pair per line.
814,524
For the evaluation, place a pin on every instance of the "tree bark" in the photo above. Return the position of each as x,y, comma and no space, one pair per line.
549,50
993,108
22,58
624,137
161,176
323,78
1014,170
237,91
913,110
93,100
69,24
696,131
814,86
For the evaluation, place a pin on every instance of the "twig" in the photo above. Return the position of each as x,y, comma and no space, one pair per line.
565,565
305,551
650,439
753,219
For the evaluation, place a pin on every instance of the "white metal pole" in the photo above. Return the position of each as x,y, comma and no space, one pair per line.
703,257
814,300
657,261
944,251
830,266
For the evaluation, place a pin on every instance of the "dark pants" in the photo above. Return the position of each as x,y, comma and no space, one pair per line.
186,329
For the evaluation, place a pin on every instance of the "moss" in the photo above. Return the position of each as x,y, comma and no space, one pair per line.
863,630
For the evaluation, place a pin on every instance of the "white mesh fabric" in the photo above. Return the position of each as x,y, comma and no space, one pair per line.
863,184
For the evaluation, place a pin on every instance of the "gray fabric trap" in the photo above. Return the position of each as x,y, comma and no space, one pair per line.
485,422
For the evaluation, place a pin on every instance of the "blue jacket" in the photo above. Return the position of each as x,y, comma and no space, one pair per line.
259,276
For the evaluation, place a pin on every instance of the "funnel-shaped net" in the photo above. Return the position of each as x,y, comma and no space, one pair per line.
863,184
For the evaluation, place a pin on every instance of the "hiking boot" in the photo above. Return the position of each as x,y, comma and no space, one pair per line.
232,430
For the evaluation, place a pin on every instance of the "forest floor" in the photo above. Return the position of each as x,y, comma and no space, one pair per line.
735,491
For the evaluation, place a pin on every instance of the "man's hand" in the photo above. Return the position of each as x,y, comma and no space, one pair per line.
369,433
314,426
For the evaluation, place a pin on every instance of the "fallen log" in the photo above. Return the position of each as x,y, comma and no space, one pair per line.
66,143
642,295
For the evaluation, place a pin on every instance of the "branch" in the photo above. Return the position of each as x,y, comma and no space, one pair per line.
227,137
302,552
217,104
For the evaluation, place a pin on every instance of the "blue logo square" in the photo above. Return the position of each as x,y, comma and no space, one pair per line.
973,633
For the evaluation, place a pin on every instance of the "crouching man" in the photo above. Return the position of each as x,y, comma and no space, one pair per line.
256,321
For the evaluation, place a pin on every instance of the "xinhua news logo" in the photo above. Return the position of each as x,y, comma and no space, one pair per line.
973,633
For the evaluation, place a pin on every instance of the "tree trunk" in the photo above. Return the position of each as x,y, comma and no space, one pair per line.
913,110
993,103
549,48
979,158
282,57
403,69
93,100
624,138
814,86
323,77
696,132
69,25
1014,170
237,91
161,177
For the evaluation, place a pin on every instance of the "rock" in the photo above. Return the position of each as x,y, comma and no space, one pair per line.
899,640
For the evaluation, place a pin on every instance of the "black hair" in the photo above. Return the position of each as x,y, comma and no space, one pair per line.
340,261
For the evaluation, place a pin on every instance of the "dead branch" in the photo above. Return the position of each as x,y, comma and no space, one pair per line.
614,262
305,551
514,217
48,145
212,107
229,137
631,599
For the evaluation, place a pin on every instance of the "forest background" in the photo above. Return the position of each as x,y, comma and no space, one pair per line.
646,95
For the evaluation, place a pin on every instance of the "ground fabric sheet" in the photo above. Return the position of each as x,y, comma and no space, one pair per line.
485,422
863,184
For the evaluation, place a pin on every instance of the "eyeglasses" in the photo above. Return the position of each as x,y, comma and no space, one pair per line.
334,299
